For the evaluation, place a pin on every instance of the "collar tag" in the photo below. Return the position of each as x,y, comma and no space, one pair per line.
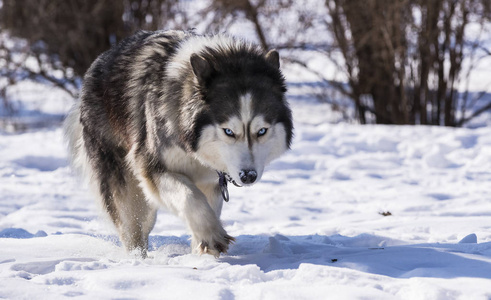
222,182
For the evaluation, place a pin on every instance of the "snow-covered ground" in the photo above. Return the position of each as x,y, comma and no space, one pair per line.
313,228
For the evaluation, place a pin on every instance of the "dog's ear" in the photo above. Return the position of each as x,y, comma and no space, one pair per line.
201,68
273,58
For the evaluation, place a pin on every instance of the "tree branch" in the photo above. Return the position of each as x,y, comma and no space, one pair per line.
474,114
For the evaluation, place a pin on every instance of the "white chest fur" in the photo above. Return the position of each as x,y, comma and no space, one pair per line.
178,161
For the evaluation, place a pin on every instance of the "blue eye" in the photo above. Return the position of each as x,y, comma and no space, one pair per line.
229,132
262,132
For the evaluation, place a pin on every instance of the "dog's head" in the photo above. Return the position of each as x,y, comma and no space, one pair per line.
246,121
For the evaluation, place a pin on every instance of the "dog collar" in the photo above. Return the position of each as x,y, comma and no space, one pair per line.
222,182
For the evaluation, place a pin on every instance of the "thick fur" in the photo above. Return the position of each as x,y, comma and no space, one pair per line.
149,130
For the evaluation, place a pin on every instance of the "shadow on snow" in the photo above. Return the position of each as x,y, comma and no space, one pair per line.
365,253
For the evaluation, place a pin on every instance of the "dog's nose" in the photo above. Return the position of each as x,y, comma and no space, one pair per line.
248,176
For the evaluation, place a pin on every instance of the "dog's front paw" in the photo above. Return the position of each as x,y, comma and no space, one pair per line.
216,244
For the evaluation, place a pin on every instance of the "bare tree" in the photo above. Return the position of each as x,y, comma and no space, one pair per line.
405,56
62,38
402,59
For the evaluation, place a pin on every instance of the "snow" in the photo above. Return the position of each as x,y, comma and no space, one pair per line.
313,228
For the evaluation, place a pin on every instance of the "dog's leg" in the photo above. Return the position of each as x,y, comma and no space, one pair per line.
137,218
129,210
182,197
120,194
213,196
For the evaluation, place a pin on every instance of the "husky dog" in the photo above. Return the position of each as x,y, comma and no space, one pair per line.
165,117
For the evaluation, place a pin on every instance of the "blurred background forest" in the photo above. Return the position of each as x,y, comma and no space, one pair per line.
374,61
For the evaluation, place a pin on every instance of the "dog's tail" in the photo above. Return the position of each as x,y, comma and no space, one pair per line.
77,154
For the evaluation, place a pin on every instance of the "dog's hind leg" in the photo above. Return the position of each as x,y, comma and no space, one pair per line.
136,218
120,195
130,212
